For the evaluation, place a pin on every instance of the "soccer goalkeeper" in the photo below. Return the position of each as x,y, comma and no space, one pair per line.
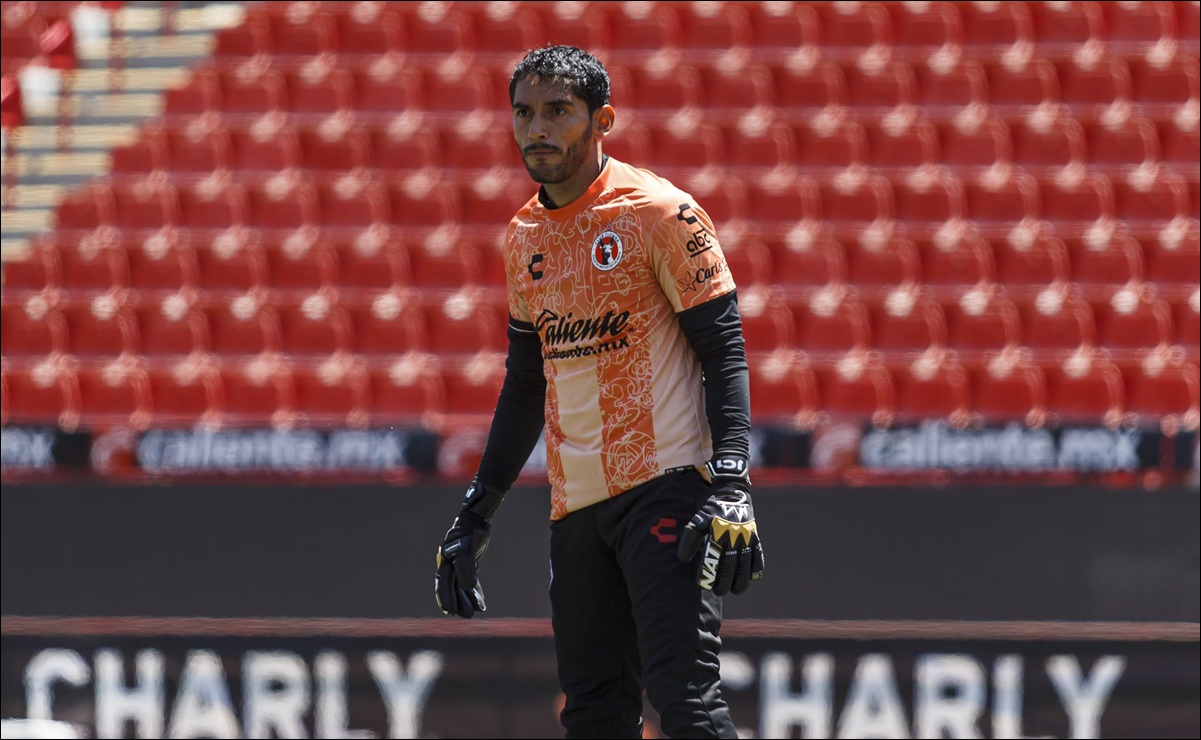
625,342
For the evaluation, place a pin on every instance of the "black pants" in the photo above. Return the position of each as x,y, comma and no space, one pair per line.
628,615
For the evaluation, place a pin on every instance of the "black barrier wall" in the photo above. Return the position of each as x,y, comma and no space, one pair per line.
233,549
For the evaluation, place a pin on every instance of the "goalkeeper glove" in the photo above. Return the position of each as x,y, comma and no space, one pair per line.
456,585
725,525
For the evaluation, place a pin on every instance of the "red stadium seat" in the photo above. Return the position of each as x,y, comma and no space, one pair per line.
300,263
1153,198
1162,87
440,30
1061,28
1056,323
334,393
256,393
850,30
583,27
284,204
267,145
628,142
902,148
1029,264
481,148
907,321
1188,25
401,150
708,30
1131,321
371,259
991,29
313,326
89,270
982,323
455,92
199,150
103,327
1162,391
946,91
335,147
806,266
804,90
976,144
1088,90
472,385
1010,388
749,262
158,268
353,203
852,205
876,269
424,204
1180,145
724,199
385,88
663,93
831,149
728,94
830,324
927,199
462,323
184,393
33,327
779,31
368,31
251,91
1127,144
1039,146
1085,388
43,394
249,39
388,323
501,31
642,30
85,208
997,202
243,327
1075,204
922,30
200,95
115,395
172,327
40,269
684,147
877,91
1187,320
489,202
783,390
145,205
767,323
776,205
1018,90
213,204
146,154
406,391
1102,266
1173,266
856,388
1135,28
954,265
302,35
231,265
934,387
760,145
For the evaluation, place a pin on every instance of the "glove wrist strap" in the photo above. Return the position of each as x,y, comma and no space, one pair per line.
729,469
482,501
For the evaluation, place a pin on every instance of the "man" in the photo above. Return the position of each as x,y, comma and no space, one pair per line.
626,343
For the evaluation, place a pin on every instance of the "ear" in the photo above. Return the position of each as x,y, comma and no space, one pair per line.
603,119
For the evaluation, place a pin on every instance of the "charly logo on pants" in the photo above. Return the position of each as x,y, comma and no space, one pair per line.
606,250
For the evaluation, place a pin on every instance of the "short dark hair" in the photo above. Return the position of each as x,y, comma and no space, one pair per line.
584,73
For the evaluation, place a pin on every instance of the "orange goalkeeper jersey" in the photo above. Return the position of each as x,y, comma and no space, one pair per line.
601,280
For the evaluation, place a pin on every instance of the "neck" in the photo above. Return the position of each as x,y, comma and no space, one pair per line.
562,193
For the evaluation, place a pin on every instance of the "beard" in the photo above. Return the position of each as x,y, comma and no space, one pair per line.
569,164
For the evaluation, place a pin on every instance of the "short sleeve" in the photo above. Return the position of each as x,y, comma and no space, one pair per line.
518,309
686,255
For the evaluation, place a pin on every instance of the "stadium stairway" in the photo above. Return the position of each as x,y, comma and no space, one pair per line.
125,60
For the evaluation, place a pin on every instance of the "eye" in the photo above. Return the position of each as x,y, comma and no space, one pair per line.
560,110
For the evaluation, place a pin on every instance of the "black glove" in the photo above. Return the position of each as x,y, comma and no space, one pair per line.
733,556
456,585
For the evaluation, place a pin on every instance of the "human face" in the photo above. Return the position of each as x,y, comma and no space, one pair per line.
554,133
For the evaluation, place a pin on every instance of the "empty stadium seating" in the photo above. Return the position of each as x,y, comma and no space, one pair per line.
965,211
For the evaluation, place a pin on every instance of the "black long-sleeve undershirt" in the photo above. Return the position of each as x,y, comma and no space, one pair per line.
714,332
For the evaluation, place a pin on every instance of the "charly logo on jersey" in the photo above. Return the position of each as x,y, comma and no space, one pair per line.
607,250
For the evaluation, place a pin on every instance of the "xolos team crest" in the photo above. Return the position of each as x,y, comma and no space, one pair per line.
606,250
